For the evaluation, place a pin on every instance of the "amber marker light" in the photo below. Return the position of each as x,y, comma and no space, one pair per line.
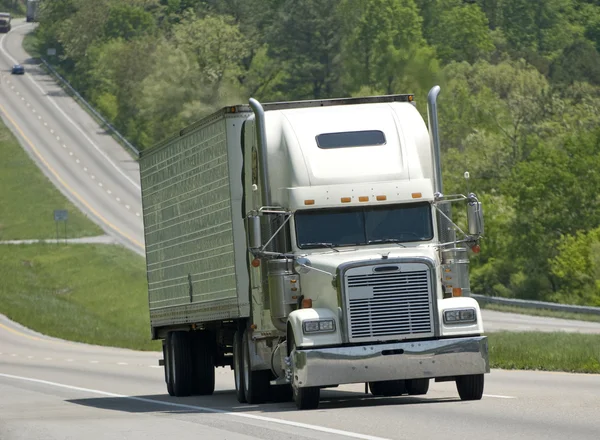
381,198
416,195
456,291
309,202
363,199
307,303
346,199
255,262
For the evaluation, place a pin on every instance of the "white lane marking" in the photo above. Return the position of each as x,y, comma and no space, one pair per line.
93,362
127,206
154,366
13,355
70,153
109,191
47,359
29,357
93,177
28,105
85,169
202,408
64,146
39,117
69,360
77,160
46,124
22,99
122,363
137,213
118,199
30,78
18,93
33,110
496,396
100,184
58,138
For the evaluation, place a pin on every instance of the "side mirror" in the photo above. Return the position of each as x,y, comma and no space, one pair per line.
254,232
475,217
302,265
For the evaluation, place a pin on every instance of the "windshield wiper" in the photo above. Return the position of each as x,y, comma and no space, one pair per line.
329,245
386,240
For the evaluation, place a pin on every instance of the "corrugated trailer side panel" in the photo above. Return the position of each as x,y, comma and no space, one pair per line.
191,257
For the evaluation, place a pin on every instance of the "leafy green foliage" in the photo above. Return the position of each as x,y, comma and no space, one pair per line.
519,108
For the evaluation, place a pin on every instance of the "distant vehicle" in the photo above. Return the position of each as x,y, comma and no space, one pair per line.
17,69
32,7
5,22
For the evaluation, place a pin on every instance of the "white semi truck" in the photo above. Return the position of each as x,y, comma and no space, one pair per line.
309,244
32,10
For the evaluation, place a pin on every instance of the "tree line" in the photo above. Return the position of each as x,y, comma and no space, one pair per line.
519,107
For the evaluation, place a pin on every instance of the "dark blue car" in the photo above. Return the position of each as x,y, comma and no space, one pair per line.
17,69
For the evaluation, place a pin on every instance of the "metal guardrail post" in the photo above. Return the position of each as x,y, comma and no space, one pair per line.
90,108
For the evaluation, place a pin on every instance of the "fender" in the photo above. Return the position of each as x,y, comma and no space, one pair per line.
297,317
475,328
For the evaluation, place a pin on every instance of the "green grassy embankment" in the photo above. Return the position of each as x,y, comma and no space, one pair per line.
87,293
541,312
572,352
28,200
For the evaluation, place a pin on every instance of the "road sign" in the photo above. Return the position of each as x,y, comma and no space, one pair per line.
51,52
60,215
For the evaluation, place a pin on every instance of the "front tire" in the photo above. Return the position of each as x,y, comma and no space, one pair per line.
256,383
417,387
307,397
387,388
470,387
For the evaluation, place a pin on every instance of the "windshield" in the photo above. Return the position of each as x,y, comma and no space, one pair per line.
363,225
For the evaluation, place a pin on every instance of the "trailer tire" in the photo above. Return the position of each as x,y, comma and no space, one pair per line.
388,388
181,361
307,397
168,367
256,383
470,387
203,360
417,387
238,367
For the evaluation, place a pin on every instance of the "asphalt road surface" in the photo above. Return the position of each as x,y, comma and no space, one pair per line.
51,389
78,156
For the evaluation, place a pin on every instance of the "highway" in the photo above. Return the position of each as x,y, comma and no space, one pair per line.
50,389
78,156
53,389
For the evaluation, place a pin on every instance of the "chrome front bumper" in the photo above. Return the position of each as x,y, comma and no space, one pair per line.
404,360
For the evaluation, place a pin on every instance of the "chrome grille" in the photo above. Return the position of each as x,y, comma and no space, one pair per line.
385,305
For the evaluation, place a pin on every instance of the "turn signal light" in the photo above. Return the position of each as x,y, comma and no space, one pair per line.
255,262
456,291
307,303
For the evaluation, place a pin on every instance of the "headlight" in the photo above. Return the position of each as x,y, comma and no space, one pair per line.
318,326
460,316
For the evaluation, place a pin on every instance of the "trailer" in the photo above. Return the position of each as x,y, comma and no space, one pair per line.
32,10
5,19
308,244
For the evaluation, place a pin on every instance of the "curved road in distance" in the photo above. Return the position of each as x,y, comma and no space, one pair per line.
53,389
83,161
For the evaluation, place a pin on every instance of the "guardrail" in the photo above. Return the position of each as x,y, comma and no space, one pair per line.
91,109
536,304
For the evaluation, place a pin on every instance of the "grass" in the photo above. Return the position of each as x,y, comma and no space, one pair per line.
86,293
28,199
571,352
30,45
540,312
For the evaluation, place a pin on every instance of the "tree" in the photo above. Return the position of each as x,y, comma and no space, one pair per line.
304,40
462,34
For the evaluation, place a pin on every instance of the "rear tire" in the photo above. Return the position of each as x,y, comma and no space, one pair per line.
238,367
417,387
203,355
470,387
388,388
181,362
256,383
307,397
168,367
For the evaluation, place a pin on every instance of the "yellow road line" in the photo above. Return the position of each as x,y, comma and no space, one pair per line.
62,182
35,338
